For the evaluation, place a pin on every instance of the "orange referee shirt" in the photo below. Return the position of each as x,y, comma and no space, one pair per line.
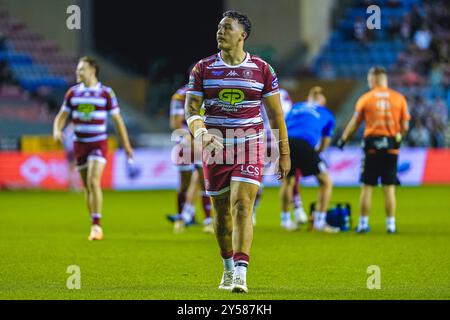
383,110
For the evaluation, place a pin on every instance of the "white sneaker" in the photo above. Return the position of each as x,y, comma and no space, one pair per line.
300,215
227,281
327,229
96,233
239,284
289,225
179,226
208,228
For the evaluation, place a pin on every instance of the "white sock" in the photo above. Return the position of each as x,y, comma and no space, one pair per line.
207,221
363,222
285,216
319,219
390,223
241,271
188,212
297,202
228,264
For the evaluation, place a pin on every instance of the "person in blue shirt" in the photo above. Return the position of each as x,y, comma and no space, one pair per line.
310,127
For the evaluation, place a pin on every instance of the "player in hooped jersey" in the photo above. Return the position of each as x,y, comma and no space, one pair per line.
232,85
87,105
190,172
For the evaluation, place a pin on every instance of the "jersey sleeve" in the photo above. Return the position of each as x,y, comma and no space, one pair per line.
405,116
328,130
66,105
177,105
112,105
270,82
195,85
359,109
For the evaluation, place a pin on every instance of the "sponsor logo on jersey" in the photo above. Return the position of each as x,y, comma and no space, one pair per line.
247,74
249,170
232,96
217,72
85,109
275,83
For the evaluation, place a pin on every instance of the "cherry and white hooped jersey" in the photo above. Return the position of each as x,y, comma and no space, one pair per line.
232,95
177,102
89,108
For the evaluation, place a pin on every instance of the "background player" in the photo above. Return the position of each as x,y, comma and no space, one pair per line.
310,127
232,85
190,180
67,140
271,143
88,104
385,114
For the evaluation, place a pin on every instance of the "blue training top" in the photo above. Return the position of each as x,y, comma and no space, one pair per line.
310,122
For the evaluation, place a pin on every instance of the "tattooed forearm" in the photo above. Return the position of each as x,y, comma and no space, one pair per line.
192,105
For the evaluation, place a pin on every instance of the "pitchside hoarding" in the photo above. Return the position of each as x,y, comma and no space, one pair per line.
153,169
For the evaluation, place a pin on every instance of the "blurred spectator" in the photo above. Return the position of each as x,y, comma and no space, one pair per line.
419,136
360,30
436,75
411,78
393,28
416,18
423,37
393,3
327,71
440,110
443,52
5,74
405,28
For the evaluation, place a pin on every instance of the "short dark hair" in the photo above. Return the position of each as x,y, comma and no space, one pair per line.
314,92
242,19
92,62
376,71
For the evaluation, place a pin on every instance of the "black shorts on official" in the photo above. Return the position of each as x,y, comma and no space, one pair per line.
379,165
305,158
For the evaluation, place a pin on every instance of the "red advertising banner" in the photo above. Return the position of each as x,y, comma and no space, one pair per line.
437,168
47,170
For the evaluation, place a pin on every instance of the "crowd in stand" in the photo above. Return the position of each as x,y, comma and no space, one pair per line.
425,63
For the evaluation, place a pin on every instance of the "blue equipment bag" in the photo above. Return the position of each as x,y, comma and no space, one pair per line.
338,215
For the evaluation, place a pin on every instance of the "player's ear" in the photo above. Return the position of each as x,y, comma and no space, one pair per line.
244,35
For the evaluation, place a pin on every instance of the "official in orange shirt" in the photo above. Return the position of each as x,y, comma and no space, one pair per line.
385,114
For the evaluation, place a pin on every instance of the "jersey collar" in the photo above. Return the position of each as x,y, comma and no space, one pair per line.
247,57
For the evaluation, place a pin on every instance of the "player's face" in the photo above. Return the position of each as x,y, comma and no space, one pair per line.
371,80
229,34
321,100
84,71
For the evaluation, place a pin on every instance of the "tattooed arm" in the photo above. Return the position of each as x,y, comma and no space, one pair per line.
197,126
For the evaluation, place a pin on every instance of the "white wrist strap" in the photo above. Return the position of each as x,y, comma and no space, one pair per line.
193,118
199,132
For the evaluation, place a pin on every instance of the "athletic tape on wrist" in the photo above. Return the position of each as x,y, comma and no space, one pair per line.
193,118
199,132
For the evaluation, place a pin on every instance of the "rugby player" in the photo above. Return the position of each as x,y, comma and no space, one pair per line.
310,127
87,105
232,85
190,171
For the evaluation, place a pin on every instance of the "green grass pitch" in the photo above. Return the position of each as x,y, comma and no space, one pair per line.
42,233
